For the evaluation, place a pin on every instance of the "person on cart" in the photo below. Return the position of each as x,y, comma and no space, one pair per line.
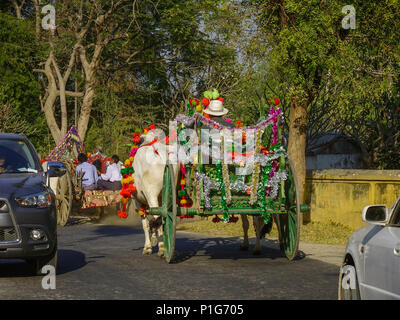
216,111
111,180
88,173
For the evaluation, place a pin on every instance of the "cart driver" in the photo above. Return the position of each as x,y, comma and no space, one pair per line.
215,111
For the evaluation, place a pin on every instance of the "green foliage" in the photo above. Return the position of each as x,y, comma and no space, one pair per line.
18,57
19,87
310,55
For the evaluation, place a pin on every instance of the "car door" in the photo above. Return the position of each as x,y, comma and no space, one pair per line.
382,260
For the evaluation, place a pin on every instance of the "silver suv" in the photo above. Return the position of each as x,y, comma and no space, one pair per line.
371,264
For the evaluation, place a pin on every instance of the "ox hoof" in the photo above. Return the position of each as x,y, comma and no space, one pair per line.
244,247
147,251
153,240
161,253
256,252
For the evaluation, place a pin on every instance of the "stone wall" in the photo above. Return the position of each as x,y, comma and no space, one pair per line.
340,195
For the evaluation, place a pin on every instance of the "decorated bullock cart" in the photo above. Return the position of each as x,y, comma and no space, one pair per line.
68,188
250,175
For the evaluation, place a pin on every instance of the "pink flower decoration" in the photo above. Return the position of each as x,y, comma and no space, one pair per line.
228,120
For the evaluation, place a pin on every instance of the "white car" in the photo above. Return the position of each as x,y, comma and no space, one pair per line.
371,264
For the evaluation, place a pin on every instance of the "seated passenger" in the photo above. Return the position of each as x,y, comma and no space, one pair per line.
111,180
97,163
88,173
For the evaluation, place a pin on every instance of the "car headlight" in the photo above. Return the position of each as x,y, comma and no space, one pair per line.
39,200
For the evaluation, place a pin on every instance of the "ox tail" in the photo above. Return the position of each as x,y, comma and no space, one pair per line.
266,229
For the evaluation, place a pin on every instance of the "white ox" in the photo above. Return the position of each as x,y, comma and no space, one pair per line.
149,165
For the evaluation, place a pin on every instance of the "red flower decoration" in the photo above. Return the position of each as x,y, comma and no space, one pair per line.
275,101
220,99
152,127
122,214
205,102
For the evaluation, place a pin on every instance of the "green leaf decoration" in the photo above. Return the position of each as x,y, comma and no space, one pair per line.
215,94
208,94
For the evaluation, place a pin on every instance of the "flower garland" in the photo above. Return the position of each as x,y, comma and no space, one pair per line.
128,188
182,194
188,121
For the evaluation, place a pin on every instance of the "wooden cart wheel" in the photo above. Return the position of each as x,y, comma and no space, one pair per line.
169,209
289,224
64,198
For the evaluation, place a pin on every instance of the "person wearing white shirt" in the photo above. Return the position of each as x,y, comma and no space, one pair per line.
111,180
87,171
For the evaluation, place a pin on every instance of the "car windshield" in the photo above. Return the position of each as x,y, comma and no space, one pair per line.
15,157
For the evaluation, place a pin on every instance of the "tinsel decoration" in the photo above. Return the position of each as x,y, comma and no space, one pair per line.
225,175
223,187
256,171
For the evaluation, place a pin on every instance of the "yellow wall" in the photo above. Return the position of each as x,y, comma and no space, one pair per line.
340,195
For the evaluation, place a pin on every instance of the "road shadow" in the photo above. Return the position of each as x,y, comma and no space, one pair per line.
72,221
227,248
102,231
68,261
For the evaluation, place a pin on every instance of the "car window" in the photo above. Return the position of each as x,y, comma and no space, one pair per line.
395,219
15,156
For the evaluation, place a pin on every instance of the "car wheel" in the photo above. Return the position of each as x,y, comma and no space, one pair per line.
38,263
348,283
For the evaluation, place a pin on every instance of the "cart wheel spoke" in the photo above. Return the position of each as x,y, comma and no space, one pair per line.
169,213
289,224
64,198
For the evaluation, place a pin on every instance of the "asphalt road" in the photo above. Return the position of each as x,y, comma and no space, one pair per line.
106,262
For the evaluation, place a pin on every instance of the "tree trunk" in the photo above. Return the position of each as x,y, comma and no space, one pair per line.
37,17
297,143
86,108
18,8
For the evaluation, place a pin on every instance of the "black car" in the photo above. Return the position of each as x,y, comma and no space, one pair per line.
28,219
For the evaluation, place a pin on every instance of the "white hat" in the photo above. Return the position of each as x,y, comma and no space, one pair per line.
216,109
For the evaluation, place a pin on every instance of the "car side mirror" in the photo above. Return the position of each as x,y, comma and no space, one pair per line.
55,169
375,214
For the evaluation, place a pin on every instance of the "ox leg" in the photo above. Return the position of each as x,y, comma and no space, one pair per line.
147,244
245,224
258,223
154,235
161,249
